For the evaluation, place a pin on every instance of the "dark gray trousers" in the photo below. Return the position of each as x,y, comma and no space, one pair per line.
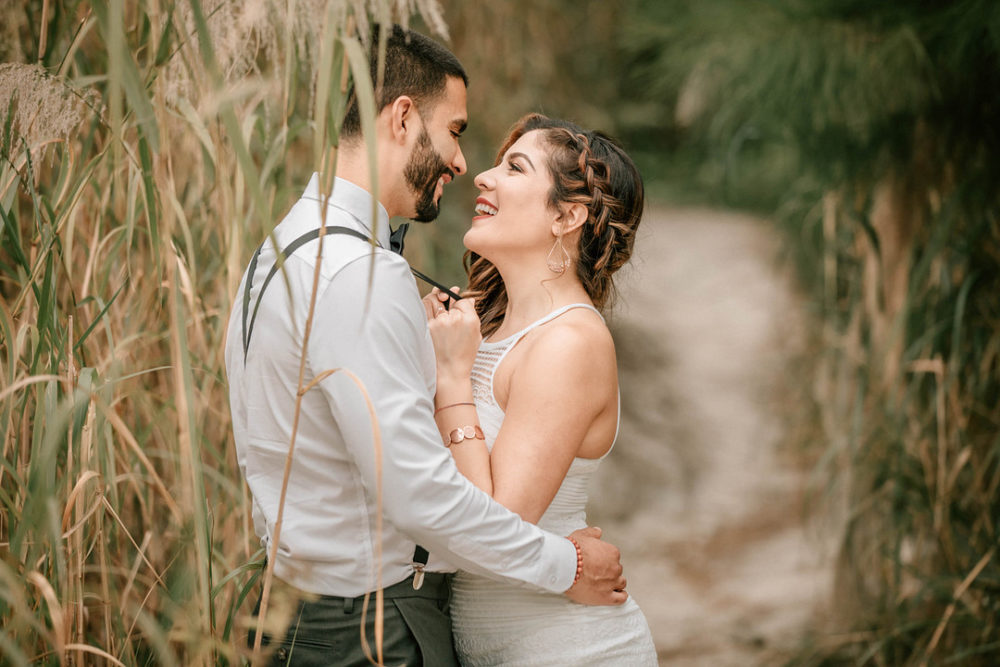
326,630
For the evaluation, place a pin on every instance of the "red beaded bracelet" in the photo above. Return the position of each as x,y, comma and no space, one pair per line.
579,560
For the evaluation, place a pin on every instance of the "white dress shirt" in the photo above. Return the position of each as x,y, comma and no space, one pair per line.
368,319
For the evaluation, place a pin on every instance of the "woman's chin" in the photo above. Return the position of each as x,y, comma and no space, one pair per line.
472,242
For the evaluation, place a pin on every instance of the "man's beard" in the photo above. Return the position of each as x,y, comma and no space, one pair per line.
422,173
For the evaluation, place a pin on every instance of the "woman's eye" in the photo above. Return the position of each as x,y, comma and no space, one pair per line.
514,167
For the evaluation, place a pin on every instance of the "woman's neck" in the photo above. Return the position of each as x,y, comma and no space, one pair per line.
533,295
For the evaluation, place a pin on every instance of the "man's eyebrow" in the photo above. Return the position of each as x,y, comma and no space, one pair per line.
527,159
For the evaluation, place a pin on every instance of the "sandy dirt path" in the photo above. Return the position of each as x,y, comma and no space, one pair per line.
699,493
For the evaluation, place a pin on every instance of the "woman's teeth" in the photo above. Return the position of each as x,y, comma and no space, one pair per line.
485,209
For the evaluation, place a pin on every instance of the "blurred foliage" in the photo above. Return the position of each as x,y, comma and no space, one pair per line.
869,133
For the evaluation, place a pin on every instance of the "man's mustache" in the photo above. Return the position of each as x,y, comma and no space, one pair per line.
447,170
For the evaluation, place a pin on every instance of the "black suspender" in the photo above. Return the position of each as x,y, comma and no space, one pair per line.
285,254
420,554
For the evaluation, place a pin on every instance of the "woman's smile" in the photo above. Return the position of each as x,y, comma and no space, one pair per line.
485,209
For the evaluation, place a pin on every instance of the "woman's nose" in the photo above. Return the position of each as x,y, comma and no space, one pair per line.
483,180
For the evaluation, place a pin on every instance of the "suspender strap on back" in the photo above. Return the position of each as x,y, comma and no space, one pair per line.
285,254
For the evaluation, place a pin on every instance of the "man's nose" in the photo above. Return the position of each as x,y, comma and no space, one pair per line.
458,165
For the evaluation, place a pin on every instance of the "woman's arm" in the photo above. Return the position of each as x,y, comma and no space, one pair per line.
470,453
456,338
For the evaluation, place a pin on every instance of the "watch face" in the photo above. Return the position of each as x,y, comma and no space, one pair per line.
469,432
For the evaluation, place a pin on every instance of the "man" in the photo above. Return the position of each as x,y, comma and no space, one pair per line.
369,319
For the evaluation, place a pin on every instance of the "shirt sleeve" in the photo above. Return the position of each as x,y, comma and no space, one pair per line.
370,321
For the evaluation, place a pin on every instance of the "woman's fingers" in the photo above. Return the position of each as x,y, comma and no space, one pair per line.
456,337
467,306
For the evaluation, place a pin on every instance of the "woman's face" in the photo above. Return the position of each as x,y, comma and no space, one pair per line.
513,217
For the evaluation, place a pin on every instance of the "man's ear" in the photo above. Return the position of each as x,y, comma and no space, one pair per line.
402,114
572,218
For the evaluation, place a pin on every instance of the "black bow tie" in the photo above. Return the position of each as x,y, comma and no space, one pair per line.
396,238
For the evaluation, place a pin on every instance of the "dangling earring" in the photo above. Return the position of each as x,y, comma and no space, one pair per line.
558,261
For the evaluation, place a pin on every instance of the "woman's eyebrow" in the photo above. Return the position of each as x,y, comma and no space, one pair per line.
524,157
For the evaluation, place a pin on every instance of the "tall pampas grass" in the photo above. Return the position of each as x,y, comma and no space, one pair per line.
142,157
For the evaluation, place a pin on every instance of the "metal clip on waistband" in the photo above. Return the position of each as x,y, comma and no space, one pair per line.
419,563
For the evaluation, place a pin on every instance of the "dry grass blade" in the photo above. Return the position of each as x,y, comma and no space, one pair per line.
122,429
135,544
93,650
358,62
139,558
959,592
55,611
71,504
21,384
272,553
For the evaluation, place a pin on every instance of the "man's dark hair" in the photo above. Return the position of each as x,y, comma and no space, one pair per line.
415,65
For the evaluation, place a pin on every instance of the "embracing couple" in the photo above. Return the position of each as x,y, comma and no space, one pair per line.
494,410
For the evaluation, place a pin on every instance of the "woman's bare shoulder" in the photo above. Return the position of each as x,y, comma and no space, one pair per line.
578,337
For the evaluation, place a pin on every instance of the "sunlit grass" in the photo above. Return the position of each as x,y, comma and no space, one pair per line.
140,165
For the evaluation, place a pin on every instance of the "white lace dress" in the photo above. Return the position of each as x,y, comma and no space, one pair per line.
499,623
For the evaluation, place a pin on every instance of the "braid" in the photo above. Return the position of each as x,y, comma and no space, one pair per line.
587,168
609,234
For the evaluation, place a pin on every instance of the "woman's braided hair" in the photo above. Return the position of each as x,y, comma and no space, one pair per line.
587,168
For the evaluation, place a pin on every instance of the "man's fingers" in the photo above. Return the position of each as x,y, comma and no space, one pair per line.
590,531
435,301
442,295
429,306
443,299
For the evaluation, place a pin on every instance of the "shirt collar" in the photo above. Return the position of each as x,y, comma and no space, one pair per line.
356,202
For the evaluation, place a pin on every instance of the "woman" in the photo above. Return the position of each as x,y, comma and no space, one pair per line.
530,410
